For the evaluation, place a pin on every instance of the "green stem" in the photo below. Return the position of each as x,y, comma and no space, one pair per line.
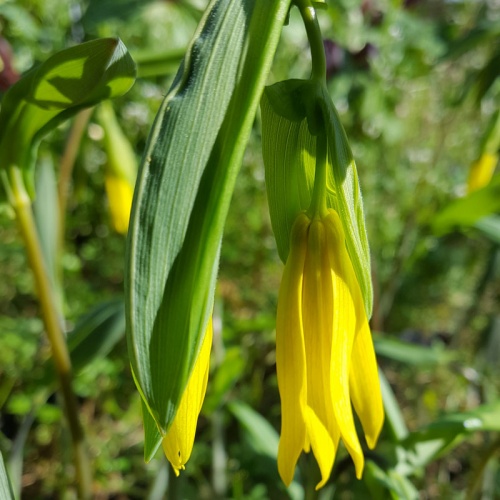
318,205
22,207
310,19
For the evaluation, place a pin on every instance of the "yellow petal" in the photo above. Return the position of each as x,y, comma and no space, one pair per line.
120,193
322,445
178,442
344,326
317,301
365,385
481,172
290,355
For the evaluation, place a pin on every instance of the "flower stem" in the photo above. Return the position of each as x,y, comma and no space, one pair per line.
318,201
22,206
310,19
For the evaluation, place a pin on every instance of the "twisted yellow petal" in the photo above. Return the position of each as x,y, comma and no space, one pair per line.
178,442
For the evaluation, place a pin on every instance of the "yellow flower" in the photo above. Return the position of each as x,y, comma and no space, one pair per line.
178,442
120,193
481,171
324,351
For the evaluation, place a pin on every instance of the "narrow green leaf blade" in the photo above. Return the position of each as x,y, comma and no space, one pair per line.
5,487
93,337
152,436
425,445
183,193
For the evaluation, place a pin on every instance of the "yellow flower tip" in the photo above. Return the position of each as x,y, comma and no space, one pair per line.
178,442
481,171
120,193
324,351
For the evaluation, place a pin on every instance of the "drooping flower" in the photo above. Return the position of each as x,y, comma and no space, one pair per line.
324,351
178,442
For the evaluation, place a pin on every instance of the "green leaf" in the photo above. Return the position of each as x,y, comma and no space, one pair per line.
394,419
151,64
425,445
5,487
46,212
183,191
387,484
411,354
262,436
152,436
68,81
94,335
490,227
465,212
293,112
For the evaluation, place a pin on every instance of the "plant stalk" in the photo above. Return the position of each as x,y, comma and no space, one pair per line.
318,206
310,19
22,206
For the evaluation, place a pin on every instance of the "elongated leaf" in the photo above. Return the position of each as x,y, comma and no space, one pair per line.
293,112
411,354
94,335
46,212
5,488
152,436
68,81
425,445
466,211
394,420
490,227
183,192
263,437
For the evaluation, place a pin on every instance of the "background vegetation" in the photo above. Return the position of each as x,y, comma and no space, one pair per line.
416,85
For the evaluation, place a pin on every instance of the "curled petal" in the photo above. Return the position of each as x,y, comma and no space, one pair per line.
290,355
178,442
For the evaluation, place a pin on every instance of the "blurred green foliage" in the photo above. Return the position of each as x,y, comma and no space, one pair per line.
415,83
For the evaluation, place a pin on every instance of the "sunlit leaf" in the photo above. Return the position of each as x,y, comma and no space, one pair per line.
425,445
52,92
466,211
183,191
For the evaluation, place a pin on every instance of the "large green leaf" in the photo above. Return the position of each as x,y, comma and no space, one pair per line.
293,113
68,81
183,192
